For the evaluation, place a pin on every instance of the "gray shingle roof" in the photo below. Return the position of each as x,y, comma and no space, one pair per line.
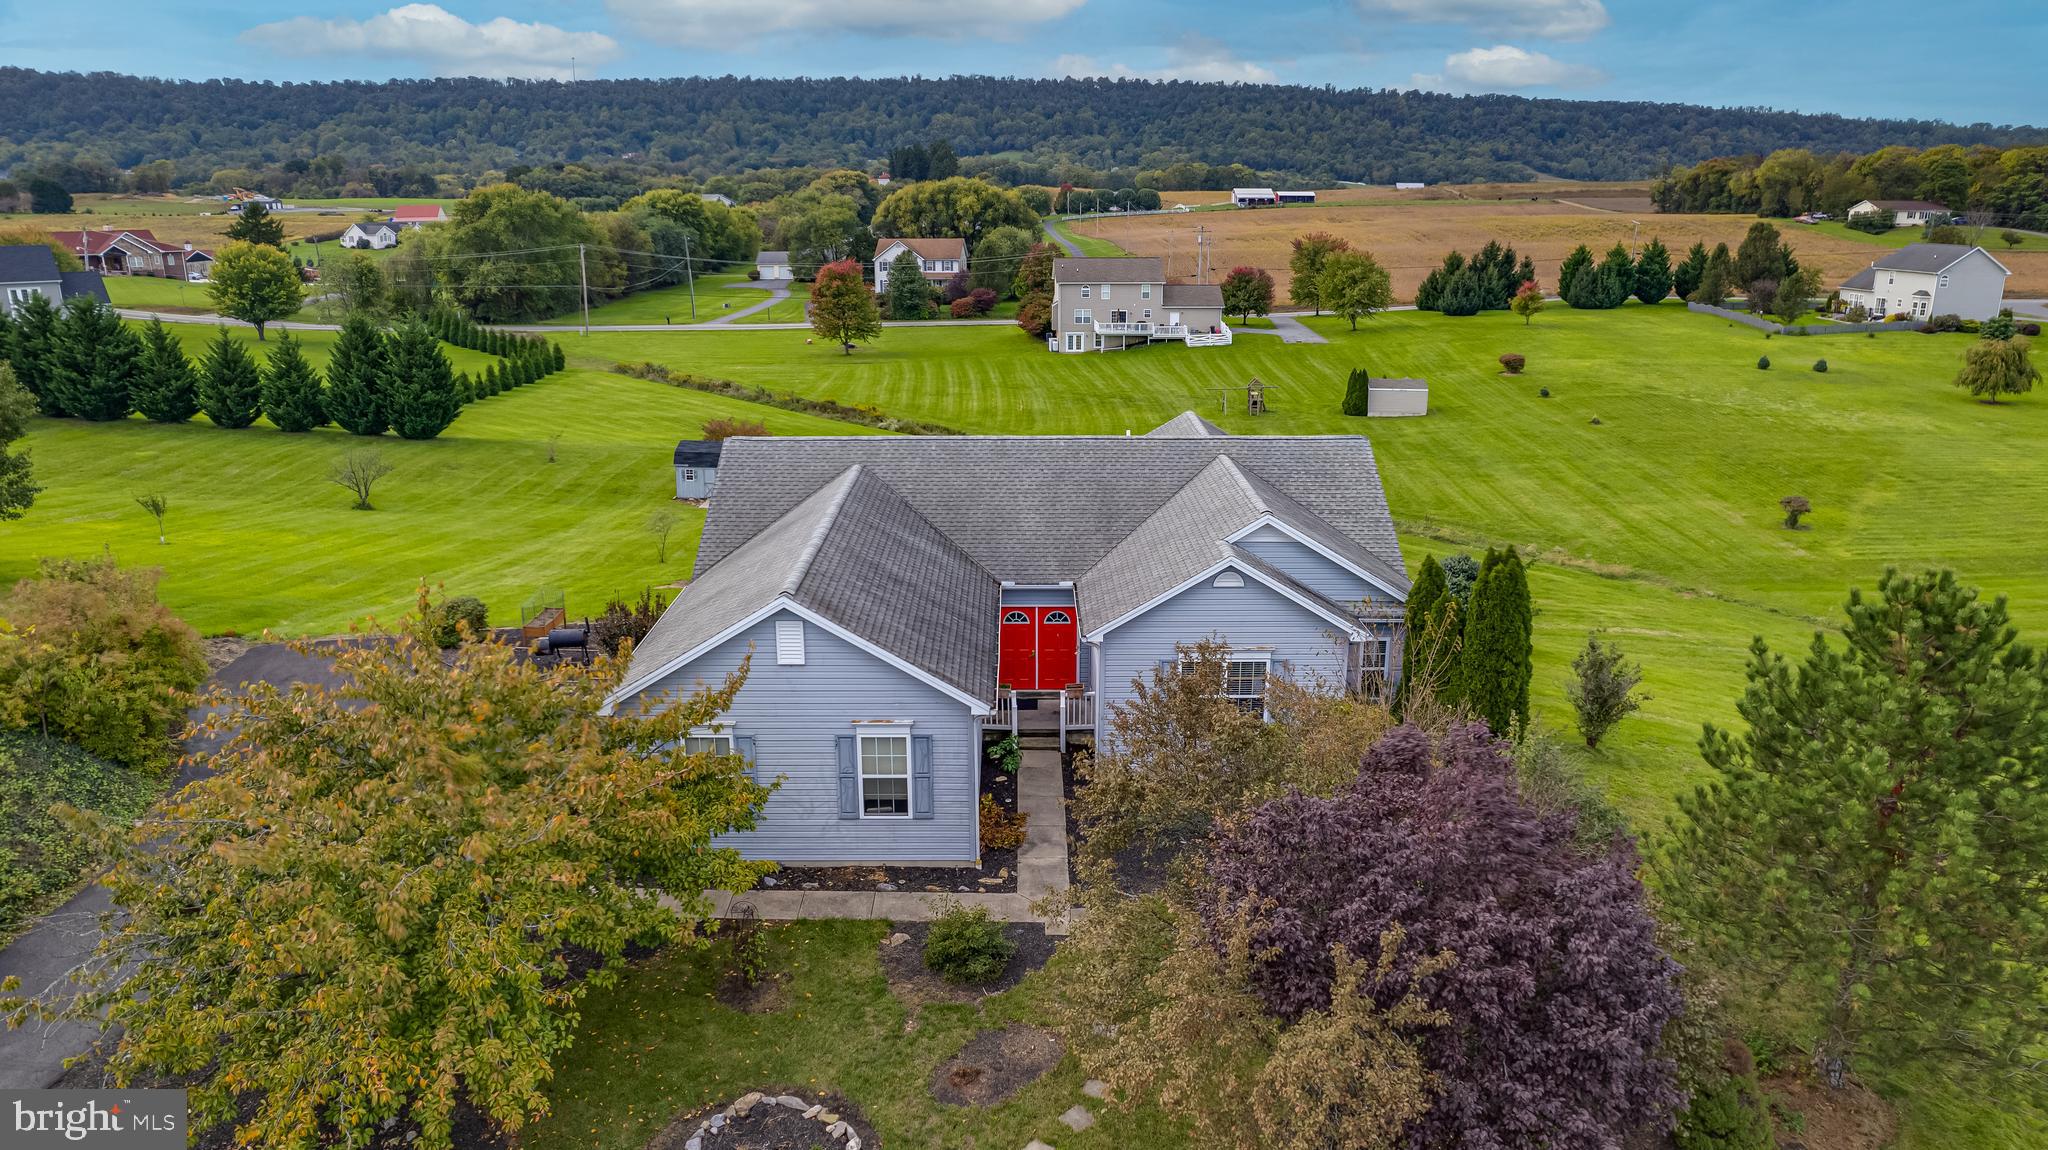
27,263
1186,425
1193,295
856,553
1861,281
1909,205
770,258
1110,269
698,452
85,284
1924,257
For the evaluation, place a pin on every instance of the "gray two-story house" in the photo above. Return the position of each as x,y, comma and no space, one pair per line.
1115,302
31,270
899,596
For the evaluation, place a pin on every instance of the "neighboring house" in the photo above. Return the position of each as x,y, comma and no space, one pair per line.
31,269
132,252
1922,280
1296,197
1904,213
1253,197
942,259
715,198
418,215
1113,302
897,596
376,235
774,266
270,203
696,467
1407,186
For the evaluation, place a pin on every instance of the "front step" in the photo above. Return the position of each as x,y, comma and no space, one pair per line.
1038,742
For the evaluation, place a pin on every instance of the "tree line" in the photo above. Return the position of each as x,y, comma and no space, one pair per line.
708,125
1979,181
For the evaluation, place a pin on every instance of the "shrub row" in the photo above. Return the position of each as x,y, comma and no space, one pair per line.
831,409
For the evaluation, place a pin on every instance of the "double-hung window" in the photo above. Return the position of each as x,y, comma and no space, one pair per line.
1105,291
705,741
1144,291
1085,290
1084,315
885,772
1244,684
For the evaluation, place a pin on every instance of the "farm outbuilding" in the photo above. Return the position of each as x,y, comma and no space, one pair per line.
1296,197
1254,197
697,467
1397,397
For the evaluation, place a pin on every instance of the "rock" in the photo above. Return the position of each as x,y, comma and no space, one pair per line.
810,886
830,1119
718,1122
989,881
410,1135
1002,872
791,1102
1078,1119
769,880
935,889
897,939
388,1123
814,1111
694,1144
885,886
1035,1144
1095,1088
837,1129
852,1141
1002,778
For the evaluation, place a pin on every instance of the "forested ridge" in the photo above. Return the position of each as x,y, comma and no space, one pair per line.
708,125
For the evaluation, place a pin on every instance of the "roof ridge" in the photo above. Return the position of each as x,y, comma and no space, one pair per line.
816,542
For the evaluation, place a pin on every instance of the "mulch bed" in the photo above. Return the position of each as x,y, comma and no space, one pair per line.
902,955
769,1126
995,1065
1139,869
997,873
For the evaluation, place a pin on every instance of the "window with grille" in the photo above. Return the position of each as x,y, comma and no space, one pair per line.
884,775
1244,683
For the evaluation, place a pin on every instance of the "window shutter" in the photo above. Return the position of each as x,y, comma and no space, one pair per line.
849,778
921,776
789,642
743,746
1165,668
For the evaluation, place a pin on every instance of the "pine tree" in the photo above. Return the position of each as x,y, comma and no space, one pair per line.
1717,280
561,358
230,386
291,388
1580,260
1685,278
96,361
34,352
909,296
1653,272
1875,838
355,379
1429,652
1494,664
1617,276
1357,392
166,388
419,386
1463,293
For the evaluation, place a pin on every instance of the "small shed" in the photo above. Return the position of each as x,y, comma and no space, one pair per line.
1253,197
1397,397
697,467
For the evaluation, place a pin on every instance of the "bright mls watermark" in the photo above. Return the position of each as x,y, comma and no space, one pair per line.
109,1119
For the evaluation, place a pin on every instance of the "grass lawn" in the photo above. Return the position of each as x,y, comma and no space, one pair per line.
1900,237
717,295
661,1042
1088,245
158,292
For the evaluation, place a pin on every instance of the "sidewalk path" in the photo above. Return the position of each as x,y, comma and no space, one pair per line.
775,296
1289,328
1054,234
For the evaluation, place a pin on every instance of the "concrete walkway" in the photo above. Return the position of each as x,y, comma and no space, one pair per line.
1287,327
1041,868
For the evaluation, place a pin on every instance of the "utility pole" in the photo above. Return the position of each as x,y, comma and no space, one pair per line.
1201,254
583,277
690,276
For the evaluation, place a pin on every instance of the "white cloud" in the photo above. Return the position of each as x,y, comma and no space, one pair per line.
1505,67
443,41
693,21
1550,19
1193,59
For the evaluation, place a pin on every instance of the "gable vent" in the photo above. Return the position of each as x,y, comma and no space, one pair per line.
1229,579
789,642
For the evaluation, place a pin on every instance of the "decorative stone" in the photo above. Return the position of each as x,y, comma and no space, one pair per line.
1003,872
718,1122
1035,1144
829,1118
897,939
814,1111
810,886
791,1102
852,1141
837,1129
1078,1119
885,886
1002,778
696,1143
1095,1088
989,881
410,1135
769,880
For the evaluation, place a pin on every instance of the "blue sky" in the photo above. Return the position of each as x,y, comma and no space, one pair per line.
1873,57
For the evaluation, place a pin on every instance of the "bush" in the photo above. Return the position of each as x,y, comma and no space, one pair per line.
1875,223
754,273
2030,329
723,429
451,615
961,308
1857,314
1357,392
39,855
1943,323
622,621
1727,1115
1000,830
1543,393
1820,365
1513,363
967,946
1763,363
984,300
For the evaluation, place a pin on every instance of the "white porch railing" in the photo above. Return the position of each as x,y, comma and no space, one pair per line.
1132,327
1218,338
1005,714
1077,712
1169,331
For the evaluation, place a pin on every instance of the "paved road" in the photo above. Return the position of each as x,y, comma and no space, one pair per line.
33,1056
1052,233
775,296
2032,308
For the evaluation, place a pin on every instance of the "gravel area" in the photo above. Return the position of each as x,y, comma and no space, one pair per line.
769,1124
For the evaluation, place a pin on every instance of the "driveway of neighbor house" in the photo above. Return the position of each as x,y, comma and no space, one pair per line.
43,956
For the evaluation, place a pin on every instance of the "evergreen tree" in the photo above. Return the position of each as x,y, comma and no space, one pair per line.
1653,272
291,388
1875,839
909,296
1495,267
1429,295
255,225
34,352
1357,392
1716,280
561,358
1686,277
166,388
419,386
1464,293
1617,276
1580,260
230,386
96,361
17,476
1762,256
355,379
1494,664
1429,649
1525,273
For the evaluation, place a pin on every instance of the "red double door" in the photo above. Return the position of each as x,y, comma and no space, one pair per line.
1040,648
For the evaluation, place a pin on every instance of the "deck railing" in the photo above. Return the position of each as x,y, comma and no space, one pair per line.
1005,714
1077,712
1125,327
1218,338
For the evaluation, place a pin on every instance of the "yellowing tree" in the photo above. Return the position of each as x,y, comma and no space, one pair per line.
255,283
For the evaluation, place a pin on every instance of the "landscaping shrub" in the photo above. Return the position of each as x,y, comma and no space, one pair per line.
965,945
622,621
723,429
1943,323
450,616
1513,363
1725,1115
95,659
831,409
1357,392
39,855
1000,830
1543,393
961,308
984,300
1820,365
1763,363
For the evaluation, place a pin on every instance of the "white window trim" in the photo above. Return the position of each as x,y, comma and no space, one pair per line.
1084,315
1085,289
720,732
1105,291
1265,661
884,729
1144,291
689,474
790,641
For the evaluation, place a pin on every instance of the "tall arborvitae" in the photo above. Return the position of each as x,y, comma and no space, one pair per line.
1464,292
230,385
291,388
166,388
419,386
1685,278
561,358
1357,392
1653,272
1494,666
1579,261
1427,653
34,352
96,361
355,379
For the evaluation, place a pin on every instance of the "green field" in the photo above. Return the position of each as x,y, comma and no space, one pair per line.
1900,237
717,295
1088,245
157,292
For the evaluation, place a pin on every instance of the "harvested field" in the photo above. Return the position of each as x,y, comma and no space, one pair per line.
176,220
1411,239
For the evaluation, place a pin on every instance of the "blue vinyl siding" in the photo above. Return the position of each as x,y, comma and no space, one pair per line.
1254,617
1308,568
794,714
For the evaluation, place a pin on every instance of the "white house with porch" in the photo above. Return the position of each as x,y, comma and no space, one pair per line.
1919,281
1115,302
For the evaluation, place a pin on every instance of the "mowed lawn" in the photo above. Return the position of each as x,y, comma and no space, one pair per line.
158,292
1988,239
717,296
260,538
